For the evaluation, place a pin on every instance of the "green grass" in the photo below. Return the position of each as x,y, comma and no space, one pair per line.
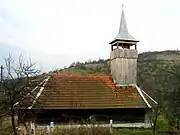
5,126
80,71
133,132
101,131
6,130
87,131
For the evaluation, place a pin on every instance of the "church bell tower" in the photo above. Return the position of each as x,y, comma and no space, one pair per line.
124,55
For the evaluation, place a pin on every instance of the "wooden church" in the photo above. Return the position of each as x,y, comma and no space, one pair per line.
67,98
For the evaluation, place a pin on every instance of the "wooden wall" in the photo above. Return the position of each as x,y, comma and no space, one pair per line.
124,65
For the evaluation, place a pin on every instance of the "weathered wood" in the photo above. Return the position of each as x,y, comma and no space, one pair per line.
124,53
124,65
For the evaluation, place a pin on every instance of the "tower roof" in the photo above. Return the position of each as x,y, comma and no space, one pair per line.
123,31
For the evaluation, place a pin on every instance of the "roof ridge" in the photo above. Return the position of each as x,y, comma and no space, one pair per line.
79,75
149,97
141,94
39,93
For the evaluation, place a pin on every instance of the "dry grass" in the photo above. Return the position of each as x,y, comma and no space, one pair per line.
99,131
83,131
79,131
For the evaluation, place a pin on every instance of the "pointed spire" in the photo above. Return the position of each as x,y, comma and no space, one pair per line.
123,30
123,25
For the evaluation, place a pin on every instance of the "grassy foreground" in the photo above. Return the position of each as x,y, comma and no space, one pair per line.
162,125
85,131
99,131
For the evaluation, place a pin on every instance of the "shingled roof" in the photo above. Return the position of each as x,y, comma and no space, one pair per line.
66,91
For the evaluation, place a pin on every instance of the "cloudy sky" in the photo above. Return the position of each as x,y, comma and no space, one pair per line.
57,32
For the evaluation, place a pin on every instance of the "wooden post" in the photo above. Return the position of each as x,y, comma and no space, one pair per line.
2,92
33,128
111,128
48,130
1,76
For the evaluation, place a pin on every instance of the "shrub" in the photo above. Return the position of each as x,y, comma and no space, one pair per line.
162,123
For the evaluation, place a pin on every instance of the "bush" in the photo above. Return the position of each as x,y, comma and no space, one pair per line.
162,123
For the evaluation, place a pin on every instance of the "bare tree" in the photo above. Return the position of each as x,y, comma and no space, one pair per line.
17,82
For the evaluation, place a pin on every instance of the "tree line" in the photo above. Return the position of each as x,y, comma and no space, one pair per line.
160,80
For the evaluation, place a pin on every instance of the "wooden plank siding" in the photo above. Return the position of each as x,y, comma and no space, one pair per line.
124,65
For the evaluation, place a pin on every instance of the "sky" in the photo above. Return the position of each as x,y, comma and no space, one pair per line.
56,33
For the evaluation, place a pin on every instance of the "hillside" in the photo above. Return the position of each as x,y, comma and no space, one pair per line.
151,68
145,59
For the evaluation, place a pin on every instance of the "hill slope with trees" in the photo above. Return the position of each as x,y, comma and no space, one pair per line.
152,67
158,75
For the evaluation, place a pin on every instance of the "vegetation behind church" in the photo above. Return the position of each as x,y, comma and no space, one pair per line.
102,66
158,75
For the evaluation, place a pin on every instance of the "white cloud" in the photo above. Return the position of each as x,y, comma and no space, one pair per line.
81,29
